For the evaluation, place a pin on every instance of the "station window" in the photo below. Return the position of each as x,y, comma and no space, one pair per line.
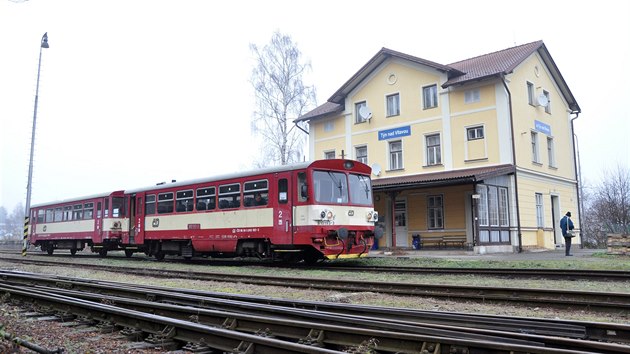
41,215
206,198
165,203
149,206
256,193
58,214
230,196
67,213
77,212
88,211
184,201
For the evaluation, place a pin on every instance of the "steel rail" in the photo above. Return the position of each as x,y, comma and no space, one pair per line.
600,301
313,333
537,273
184,331
525,329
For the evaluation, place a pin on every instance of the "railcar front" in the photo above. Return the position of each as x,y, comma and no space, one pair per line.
334,211
96,221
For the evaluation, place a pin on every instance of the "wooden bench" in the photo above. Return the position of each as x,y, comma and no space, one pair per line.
454,240
426,241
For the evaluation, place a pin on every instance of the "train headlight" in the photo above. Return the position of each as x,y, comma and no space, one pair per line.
372,216
329,215
323,214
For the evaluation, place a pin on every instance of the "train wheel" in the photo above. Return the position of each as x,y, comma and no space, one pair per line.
102,252
128,253
73,251
160,256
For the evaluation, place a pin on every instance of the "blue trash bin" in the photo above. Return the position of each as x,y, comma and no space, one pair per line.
415,241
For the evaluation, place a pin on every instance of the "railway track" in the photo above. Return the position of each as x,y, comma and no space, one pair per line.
322,325
598,301
538,273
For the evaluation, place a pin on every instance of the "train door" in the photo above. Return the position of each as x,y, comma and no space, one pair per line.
136,218
283,218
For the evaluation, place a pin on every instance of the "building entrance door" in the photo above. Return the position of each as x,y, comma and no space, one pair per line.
400,222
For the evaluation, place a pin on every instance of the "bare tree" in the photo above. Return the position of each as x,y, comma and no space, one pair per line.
281,97
608,206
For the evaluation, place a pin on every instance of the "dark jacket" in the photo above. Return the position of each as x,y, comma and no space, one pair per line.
566,224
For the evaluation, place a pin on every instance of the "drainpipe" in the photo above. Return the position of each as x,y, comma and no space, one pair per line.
518,207
578,176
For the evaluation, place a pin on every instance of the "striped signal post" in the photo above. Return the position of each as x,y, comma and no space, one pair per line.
27,210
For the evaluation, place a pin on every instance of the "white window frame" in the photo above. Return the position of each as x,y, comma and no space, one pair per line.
435,212
472,96
548,106
551,153
329,126
330,155
475,133
535,149
392,104
540,216
357,117
531,93
395,156
361,157
429,96
433,152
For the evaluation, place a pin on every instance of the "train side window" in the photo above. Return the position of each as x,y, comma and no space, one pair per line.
118,207
106,207
49,215
206,198
41,215
256,193
88,211
58,214
184,201
283,188
99,205
77,212
302,187
230,196
149,205
165,203
67,213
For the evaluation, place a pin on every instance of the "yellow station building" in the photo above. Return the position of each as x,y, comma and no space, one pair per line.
477,154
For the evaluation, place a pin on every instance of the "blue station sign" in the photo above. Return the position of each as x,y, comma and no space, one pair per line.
542,127
394,133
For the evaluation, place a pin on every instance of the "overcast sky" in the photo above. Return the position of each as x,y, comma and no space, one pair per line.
135,92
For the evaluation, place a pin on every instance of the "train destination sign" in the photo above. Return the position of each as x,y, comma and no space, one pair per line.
394,133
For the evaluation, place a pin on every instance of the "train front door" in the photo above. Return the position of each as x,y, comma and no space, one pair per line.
283,218
136,218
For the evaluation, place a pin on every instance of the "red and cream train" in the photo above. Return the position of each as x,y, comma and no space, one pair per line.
307,211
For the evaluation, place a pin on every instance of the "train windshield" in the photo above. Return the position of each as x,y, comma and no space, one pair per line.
335,188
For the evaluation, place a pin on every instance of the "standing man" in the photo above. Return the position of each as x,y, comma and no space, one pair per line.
567,226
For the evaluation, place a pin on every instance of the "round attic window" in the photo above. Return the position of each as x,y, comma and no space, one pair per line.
391,79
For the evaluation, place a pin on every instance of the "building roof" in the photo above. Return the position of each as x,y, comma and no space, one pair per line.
503,62
380,57
321,111
465,176
482,67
